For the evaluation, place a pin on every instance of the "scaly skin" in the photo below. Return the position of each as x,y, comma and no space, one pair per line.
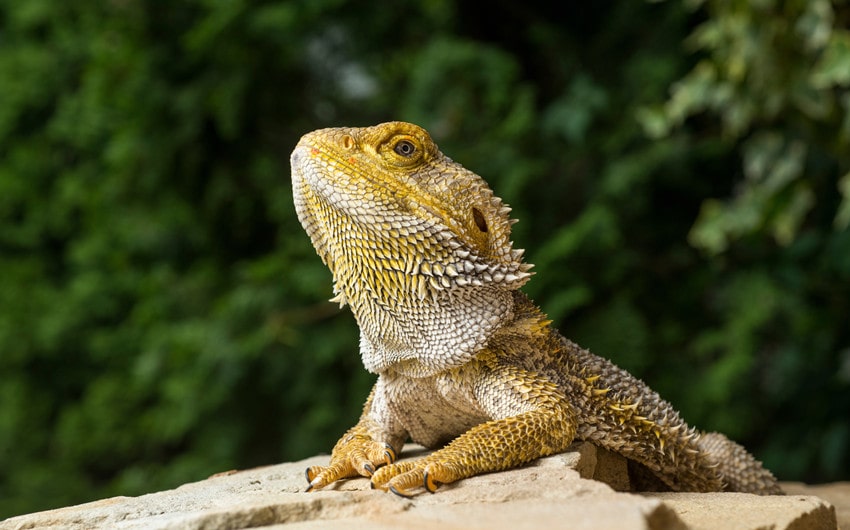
420,249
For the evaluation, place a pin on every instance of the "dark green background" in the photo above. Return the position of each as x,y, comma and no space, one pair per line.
680,170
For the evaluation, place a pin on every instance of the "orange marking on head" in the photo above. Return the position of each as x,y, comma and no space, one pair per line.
314,151
351,160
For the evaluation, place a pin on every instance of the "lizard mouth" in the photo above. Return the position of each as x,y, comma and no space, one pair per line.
316,171
342,223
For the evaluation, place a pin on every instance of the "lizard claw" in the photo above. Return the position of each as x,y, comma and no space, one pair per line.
390,455
310,474
430,484
313,474
309,479
400,493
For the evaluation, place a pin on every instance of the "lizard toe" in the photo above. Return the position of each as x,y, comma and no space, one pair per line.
313,475
359,462
411,479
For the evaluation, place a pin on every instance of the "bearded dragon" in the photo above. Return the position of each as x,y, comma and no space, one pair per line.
420,249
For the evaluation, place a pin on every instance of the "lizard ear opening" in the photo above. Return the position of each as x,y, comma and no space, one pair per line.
479,219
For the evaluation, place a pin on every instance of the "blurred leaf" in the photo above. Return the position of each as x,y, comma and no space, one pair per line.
572,115
842,218
833,67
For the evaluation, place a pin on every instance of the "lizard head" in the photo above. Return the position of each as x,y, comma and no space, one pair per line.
404,229
422,209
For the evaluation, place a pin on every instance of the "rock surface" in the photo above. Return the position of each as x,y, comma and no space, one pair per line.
838,494
552,493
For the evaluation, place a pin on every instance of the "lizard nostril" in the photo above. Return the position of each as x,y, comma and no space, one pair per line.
348,142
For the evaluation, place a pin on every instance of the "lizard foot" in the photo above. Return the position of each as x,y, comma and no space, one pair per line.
406,476
358,456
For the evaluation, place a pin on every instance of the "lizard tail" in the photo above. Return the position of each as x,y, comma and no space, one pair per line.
740,470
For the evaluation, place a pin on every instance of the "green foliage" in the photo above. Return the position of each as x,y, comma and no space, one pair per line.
681,173
776,75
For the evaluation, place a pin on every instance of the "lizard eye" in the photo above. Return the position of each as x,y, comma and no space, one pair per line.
403,151
478,217
405,148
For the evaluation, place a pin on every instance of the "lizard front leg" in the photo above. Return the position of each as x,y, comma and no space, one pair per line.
362,449
532,418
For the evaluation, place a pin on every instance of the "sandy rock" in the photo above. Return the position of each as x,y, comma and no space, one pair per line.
554,492
709,511
838,494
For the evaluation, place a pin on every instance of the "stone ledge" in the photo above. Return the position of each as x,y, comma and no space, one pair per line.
551,492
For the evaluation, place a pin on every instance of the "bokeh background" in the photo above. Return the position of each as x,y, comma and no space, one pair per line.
681,170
